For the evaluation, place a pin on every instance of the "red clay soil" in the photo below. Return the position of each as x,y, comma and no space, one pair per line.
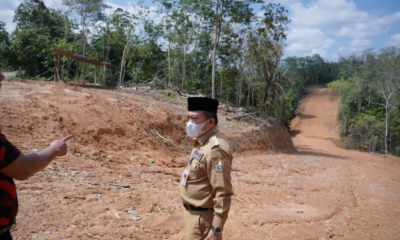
318,192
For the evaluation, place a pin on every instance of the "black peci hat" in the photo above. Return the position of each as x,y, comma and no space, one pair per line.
202,104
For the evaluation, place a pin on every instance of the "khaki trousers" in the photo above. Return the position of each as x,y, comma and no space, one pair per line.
197,224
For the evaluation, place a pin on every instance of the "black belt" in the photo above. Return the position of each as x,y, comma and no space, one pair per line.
193,208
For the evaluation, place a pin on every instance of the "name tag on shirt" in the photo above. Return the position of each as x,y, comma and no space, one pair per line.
185,177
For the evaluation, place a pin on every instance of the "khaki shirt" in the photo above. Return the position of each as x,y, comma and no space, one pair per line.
209,180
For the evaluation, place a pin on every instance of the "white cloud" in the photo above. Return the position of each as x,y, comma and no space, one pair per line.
284,2
132,8
327,13
7,13
321,52
358,45
113,6
343,14
394,41
362,30
55,4
334,57
310,36
8,8
260,14
303,40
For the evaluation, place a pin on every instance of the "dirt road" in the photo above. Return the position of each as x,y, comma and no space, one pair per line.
107,188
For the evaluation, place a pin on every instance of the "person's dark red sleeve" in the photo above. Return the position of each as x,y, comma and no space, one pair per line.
8,152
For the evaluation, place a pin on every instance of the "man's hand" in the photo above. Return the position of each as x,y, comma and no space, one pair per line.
213,236
27,165
60,146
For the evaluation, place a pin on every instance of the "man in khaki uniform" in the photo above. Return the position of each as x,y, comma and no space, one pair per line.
206,187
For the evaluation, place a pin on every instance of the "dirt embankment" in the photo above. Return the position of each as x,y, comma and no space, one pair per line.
105,122
107,187
116,133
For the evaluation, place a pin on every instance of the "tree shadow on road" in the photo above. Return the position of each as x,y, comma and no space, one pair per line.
305,151
302,116
294,133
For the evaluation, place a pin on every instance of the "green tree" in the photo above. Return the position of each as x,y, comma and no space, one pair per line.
4,41
386,76
38,29
88,12
217,12
30,48
370,100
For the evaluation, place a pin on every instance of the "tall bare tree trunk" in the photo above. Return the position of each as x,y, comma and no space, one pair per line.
252,94
221,86
123,61
213,68
83,71
65,45
55,67
218,23
249,89
83,45
386,125
104,74
108,47
77,70
83,63
183,67
205,80
169,63
240,82
95,74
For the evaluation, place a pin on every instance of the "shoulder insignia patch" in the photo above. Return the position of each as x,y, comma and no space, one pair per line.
213,142
219,165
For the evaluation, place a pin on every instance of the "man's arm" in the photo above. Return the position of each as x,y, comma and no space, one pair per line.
1,77
220,179
27,165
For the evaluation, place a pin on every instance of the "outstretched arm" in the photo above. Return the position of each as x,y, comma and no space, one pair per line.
27,165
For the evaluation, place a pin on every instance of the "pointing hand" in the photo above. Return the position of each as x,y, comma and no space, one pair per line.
60,146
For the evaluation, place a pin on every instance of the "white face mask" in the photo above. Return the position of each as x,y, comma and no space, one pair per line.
194,130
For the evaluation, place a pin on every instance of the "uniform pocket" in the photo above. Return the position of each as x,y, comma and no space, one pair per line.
196,171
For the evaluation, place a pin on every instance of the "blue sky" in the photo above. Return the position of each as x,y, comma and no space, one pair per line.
331,28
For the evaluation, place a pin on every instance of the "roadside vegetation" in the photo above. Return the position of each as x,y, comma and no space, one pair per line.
369,90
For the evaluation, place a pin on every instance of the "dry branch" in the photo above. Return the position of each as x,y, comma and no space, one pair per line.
89,235
239,117
166,139
182,94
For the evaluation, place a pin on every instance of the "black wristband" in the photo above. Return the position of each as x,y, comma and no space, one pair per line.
217,230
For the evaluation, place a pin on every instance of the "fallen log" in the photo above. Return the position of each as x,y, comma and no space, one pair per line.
239,117
181,93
